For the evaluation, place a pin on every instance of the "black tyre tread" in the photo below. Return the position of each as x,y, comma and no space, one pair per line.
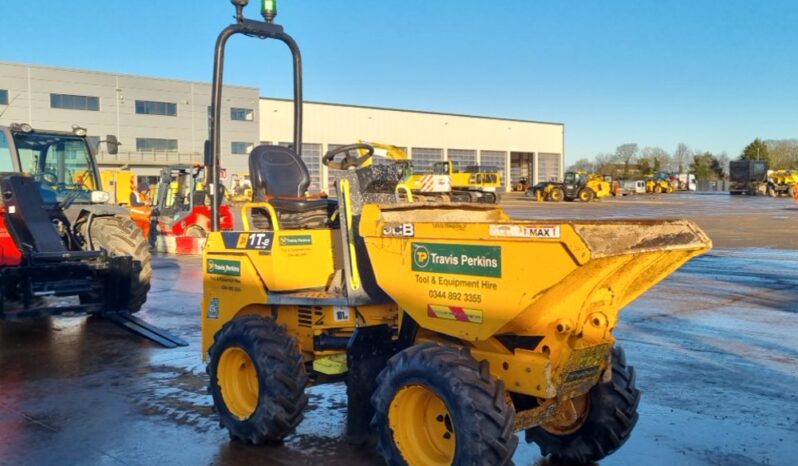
486,437
613,415
120,236
279,364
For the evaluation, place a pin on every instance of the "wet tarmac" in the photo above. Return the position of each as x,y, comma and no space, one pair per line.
715,346
731,221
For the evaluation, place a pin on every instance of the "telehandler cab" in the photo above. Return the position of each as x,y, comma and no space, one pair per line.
60,240
437,316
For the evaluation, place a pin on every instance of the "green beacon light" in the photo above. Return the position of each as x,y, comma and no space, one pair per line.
269,10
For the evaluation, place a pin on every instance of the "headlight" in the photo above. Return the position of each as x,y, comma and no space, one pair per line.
100,197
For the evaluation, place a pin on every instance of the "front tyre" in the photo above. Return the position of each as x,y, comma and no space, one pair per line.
556,195
257,380
586,195
606,417
120,236
436,405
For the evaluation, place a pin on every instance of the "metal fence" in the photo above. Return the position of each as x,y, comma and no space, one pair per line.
709,186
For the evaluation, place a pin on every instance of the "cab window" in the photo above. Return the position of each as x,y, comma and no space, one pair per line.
6,164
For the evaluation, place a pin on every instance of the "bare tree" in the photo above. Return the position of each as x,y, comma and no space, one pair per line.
681,158
584,165
783,153
722,164
657,157
626,153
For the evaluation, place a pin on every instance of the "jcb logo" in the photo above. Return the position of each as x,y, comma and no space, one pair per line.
421,257
403,229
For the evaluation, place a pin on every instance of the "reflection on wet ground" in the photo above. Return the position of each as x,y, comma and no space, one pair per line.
714,345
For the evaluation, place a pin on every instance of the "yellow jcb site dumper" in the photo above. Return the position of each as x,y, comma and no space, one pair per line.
453,325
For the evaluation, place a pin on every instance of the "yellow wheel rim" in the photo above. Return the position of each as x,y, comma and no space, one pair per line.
238,382
422,428
569,417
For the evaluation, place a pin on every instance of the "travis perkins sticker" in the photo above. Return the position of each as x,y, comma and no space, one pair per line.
224,267
462,259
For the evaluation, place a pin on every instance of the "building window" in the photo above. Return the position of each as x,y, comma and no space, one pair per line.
548,167
3,97
494,158
75,102
156,144
311,155
462,158
332,174
241,148
146,107
423,158
6,163
242,114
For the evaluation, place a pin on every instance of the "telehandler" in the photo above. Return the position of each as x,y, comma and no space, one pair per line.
63,249
437,316
575,186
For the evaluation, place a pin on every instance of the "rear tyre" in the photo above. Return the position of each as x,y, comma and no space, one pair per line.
556,195
586,195
771,191
257,380
608,422
120,236
436,405
657,189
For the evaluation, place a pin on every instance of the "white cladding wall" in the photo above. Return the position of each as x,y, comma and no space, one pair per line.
333,124
29,88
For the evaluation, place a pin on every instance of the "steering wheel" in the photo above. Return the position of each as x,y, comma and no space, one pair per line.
47,177
349,160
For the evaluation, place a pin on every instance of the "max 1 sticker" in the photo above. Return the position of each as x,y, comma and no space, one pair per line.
224,267
525,231
462,259
296,240
460,314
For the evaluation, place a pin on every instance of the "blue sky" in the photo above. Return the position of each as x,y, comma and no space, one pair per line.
712,74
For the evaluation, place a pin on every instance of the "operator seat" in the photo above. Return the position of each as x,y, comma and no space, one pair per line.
279,176
26,218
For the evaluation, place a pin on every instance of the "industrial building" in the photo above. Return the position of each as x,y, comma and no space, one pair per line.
162,121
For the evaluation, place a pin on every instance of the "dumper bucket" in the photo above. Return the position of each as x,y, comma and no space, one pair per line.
471,272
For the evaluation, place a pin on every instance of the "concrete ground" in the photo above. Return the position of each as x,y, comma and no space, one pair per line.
714,345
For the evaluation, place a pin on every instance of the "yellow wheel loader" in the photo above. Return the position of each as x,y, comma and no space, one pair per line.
435,315
658,184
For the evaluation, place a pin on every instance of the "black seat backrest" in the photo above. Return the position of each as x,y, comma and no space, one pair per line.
277,171
27,220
